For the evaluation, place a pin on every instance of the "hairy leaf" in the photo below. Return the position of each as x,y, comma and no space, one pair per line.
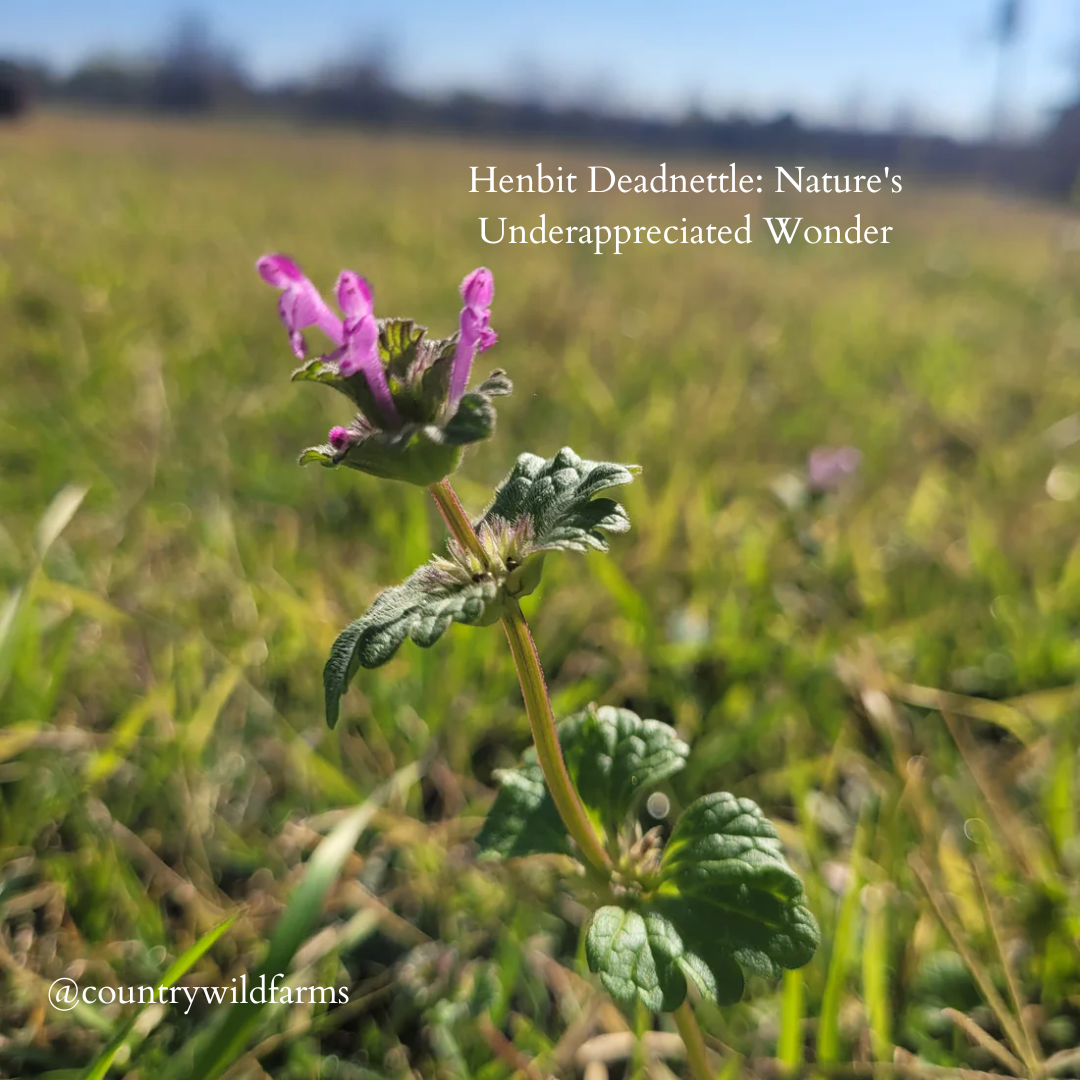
558,497
543,505
523,819
615,756
725,864
497,384
636,954
725,905
421,608
612,755
473,421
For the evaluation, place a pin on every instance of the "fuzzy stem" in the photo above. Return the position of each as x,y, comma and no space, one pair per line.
457,521
533,690
692,1039
548,750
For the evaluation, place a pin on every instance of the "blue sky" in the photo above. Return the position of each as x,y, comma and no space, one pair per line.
864,60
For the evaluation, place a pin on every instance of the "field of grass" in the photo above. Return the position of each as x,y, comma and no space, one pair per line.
890,671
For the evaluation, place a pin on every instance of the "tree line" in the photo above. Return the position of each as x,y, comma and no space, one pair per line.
193,78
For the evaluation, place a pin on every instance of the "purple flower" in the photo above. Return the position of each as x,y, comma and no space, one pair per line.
300,304
477,290
339,438
357,336
361,348
829,466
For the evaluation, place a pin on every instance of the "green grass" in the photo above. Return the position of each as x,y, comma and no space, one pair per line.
890,672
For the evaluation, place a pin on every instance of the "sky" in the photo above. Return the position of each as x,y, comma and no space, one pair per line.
873,63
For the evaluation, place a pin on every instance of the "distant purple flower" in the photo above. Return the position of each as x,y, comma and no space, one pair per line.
356,336
829,466
477,290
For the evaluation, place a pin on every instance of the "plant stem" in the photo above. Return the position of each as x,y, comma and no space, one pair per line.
548,750
533,690
457,521
686,1022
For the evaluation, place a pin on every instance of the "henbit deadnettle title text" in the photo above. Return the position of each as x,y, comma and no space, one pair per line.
603,180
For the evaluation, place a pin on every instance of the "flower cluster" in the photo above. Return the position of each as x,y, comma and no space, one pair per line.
415,414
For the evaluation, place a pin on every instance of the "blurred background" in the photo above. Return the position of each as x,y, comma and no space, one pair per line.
853,582
967,88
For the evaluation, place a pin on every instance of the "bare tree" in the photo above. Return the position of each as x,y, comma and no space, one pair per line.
196,73
1005,33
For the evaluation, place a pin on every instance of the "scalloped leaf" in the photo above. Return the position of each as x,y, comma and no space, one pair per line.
725,864
421,608
523,819
613,757
636,954
558,496
727,905
616,756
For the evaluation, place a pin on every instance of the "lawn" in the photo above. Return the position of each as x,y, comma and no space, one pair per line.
888,669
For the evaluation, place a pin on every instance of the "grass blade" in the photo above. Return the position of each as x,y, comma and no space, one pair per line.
295,926
875,972
57,518
790,1049
176,970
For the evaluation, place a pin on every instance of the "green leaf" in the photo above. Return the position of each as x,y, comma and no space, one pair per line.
636,954
724,869
435,381
542,506
418,455
726,905
523,819
421,608
411,455
497,384
725,860
473,421
558,497
613,757
399,343
324,455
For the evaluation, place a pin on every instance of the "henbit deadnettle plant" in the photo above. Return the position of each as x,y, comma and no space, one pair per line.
718,901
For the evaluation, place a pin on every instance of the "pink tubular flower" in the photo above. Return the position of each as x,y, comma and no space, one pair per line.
300,304
477,290
357,336
361,350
